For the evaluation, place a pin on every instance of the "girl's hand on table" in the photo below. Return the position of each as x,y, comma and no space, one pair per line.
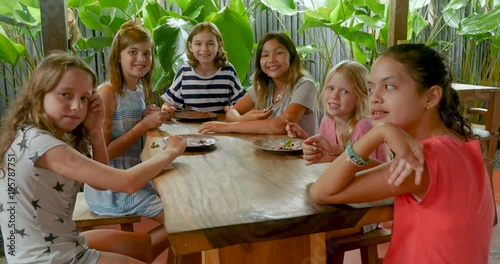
314,149
256,115
227,108
170,109
150,109
295,131
155,119
212,126
175,144
409,155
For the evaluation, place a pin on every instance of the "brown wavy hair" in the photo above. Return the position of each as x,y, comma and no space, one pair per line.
220,59
28,109
130,33
261,80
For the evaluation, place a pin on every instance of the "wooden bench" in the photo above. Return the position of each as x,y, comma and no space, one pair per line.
367,244
85,219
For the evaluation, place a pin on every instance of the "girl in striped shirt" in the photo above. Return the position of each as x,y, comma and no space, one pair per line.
209,83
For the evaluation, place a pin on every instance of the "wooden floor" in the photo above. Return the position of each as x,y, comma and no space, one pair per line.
352,257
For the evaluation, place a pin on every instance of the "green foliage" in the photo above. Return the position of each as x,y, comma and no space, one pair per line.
20,19
171,37
170,30
19,24
483,26
284,7
359,24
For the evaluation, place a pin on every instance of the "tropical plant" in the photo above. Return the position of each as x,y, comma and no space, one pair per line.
21,19
359,26
19,29
476,27
169,29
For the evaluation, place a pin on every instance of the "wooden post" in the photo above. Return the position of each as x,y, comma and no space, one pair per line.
398,22
54,28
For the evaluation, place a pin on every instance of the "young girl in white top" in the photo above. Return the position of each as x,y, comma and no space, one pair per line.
56,116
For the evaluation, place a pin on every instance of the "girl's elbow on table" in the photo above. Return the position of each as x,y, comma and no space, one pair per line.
320,197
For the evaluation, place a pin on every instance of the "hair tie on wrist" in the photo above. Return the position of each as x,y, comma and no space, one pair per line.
353,157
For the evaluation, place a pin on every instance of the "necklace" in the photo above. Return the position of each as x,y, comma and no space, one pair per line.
280,95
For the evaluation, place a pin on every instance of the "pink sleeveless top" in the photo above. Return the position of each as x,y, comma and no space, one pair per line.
327,129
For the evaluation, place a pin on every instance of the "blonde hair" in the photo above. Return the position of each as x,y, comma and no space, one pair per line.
28,109
261,80
357,74
130,33
220,59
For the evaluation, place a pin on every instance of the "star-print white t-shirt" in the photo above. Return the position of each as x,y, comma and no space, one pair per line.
36,205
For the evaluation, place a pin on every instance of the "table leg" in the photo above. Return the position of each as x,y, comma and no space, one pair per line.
296,250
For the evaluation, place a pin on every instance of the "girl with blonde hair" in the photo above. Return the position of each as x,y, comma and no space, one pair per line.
345,102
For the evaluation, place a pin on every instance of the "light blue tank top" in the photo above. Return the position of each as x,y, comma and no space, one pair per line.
144,202
128,113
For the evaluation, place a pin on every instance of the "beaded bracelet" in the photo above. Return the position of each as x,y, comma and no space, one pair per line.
354,157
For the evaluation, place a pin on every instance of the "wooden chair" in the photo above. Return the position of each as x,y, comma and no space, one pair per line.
489,109
85,219
487,137
367,244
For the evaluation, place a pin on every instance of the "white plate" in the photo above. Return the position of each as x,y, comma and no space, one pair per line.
278,145
197,142
195,116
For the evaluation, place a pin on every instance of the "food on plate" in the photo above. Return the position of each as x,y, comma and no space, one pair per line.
196,141
193,142
289,145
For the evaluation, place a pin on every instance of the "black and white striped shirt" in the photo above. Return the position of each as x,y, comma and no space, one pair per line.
204,94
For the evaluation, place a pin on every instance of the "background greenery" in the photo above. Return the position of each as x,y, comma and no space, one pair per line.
358,28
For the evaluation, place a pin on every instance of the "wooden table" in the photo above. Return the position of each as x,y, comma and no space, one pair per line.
233,197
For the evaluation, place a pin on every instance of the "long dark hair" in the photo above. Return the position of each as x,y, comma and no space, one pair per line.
296,70
428,68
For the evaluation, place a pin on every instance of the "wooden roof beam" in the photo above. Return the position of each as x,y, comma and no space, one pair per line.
54,26
398,22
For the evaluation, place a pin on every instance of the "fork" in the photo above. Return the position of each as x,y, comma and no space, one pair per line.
327,153
187,109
